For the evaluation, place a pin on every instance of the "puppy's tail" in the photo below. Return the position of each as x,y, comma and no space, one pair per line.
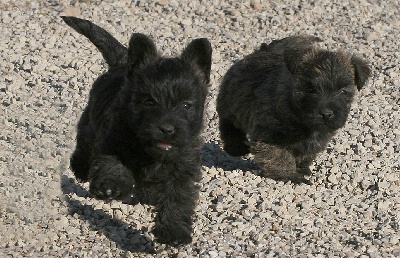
112,50
290,43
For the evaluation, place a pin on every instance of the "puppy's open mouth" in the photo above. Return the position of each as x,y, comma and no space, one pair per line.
163,145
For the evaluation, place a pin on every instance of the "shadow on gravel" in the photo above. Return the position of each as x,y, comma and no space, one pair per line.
212,155
122,234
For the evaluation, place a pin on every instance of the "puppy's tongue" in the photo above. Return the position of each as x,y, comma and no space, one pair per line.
163,145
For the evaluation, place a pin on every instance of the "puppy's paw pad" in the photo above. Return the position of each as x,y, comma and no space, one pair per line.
178,242
106,189
181,242
304,171
172,237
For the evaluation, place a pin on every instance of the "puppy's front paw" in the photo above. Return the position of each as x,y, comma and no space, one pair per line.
236,149
173,236
304,171
108,189
112,184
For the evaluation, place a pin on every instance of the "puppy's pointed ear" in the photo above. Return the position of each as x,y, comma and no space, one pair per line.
361,71
141,51
199,52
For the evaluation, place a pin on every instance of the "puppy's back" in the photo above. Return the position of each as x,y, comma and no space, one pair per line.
290,43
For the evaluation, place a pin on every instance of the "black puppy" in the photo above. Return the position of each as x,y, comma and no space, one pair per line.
289,98
139,133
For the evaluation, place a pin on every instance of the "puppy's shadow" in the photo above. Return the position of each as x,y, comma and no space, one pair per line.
212,155
133,240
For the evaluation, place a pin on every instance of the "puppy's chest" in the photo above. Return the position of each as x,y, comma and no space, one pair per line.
156,172
314,143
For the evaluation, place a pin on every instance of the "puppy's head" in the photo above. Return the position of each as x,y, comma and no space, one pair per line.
165,96
324,85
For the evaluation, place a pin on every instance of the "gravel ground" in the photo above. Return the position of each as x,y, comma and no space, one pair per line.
352,208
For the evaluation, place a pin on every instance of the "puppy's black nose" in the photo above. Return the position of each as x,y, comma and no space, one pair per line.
326,113
167,129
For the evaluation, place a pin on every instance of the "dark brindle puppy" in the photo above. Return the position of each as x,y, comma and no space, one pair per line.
284,102
139,133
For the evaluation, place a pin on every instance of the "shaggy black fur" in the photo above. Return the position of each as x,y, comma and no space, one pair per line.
139,133
289,98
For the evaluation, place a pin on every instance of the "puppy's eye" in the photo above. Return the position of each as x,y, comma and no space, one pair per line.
149,102
344,92
309,89
186,105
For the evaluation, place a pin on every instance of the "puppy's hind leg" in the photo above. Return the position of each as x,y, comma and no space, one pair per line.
80,159
235,140
79,164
